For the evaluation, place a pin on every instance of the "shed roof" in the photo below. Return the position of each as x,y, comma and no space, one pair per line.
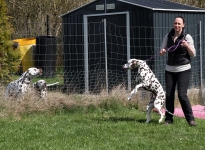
162,5
154,5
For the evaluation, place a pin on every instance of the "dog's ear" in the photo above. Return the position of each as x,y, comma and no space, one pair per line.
45,85
34,85
25,74
135,61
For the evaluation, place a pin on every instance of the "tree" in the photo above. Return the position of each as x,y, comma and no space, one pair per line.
29,18
9,57
196,3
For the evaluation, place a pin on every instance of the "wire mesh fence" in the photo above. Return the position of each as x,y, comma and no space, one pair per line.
63,60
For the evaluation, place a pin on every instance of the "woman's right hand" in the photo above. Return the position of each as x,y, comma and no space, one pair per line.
162,52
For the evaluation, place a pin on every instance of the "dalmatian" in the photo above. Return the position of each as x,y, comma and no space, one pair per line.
41,88
19,87
147,80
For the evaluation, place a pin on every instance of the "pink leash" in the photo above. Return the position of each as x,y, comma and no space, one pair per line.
170,49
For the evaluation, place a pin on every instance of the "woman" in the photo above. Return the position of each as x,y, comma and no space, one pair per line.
178,69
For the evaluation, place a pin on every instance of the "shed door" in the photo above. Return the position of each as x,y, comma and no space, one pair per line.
116,40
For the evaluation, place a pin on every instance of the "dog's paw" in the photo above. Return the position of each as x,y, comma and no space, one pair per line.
147,121
160,120
128,99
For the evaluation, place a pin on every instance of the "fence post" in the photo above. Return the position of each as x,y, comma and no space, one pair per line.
85,30
47,25
201,62
128,48
106,69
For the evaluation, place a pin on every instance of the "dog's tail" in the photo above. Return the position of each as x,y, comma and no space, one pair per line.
169,111
52,84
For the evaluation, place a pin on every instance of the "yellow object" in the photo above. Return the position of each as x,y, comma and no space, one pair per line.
26,47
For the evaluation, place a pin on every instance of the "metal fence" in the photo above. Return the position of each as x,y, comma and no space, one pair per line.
100,68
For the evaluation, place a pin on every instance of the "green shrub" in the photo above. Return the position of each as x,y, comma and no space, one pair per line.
9,57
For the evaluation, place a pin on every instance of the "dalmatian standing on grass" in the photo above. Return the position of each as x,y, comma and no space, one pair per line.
147,80
19,87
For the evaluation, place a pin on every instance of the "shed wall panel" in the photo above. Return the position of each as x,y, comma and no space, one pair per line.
147,29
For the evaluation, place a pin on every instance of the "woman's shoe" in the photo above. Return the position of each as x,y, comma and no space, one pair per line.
168,123
192,123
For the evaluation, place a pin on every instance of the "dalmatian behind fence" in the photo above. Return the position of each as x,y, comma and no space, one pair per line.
19,87
147,80
41,88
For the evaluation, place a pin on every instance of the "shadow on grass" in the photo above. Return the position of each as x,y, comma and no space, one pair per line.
127,119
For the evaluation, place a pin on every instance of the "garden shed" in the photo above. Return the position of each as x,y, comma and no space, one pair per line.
102,35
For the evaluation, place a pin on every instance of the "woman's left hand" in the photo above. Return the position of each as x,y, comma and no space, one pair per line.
190,50
185,44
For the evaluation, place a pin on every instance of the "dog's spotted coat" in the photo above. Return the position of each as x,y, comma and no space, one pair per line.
40,88
147,80
20,86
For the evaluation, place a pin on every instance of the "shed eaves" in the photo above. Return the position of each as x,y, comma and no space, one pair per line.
161,4
152,4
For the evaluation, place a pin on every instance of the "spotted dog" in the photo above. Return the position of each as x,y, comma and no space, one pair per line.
19,87
147,80
41,88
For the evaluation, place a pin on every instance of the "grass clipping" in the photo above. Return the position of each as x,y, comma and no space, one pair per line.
57,101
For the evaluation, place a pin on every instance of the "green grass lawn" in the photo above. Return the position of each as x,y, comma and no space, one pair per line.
119,128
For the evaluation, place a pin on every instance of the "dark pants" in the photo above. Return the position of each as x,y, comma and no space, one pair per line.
181,79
